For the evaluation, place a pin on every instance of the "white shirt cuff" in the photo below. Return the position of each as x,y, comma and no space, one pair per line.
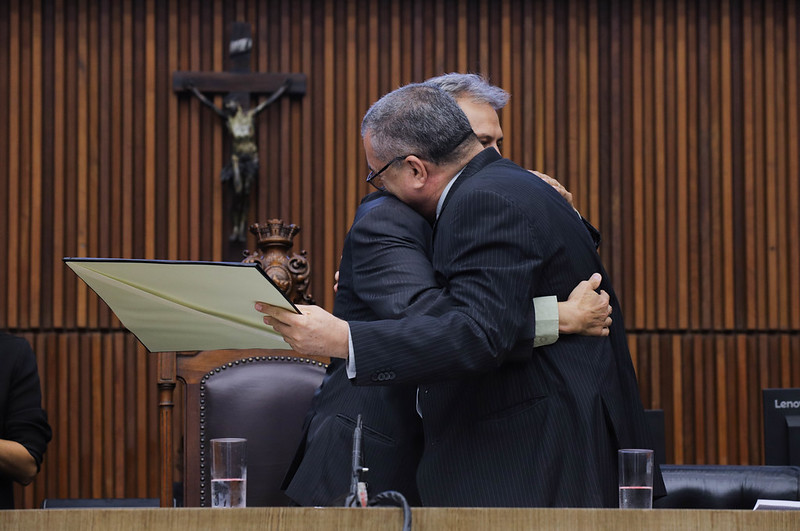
351,358
546,311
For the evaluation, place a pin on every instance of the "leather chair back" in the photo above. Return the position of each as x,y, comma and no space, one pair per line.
261,395
727,486
264,400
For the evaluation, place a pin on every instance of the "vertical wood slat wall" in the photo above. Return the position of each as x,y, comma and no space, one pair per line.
675,124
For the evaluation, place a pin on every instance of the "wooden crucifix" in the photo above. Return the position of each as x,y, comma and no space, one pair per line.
240,83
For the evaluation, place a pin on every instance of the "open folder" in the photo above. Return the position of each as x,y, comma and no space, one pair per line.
183,305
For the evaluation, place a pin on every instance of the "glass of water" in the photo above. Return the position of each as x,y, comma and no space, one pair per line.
635,479
229,472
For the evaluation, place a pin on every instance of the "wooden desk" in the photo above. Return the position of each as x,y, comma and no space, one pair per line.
374,519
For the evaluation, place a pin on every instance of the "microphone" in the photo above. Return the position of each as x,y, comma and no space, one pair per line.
358,489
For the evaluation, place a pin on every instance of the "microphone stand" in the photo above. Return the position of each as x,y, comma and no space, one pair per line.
358,489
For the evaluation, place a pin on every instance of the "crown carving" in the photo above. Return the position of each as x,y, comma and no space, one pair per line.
275,232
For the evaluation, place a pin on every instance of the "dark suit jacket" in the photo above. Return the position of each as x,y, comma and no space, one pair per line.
505,425
385,267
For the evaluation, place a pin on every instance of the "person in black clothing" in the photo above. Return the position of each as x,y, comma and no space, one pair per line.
24,431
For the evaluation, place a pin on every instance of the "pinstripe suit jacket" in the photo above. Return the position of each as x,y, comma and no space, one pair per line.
505,425
385,267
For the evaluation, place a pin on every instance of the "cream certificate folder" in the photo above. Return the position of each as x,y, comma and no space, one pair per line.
184,306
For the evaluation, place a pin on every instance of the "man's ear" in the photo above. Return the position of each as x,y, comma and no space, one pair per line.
419,169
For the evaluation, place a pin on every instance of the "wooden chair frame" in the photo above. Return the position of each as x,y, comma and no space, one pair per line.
191,368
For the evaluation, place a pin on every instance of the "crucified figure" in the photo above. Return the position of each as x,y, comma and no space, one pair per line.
242,169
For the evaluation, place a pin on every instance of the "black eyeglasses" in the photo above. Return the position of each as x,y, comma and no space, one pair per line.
374,174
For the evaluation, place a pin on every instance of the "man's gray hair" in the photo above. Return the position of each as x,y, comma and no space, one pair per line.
417,119
473,87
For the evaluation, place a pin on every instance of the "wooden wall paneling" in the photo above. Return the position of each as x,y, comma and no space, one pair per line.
25,177
669,285
167,109
722,394
681,175
548,58
185,133
653,370
348,187
117,356
563,83
792,154
212,213
536,114
574,117
794,358
59,419
710,400
685,417
328,119
149,130
581,180
749,168
506,78
293,22
5,134
126,128
115,142
760,346
695,452
692,242
173,134
308,130
96,384
714,199
144,406
737,172
104,421
70,428
755,382
673,422
138,196
13,213
594,110
743,397
781,169
102,226
72,310
770,182
726,168
84,436
463,37
34,245
738,421
783,355
95,307
703,170
193,165
81,175
636,317
759,157
524,102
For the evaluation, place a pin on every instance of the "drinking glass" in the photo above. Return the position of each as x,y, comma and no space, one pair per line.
635,479
229,472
